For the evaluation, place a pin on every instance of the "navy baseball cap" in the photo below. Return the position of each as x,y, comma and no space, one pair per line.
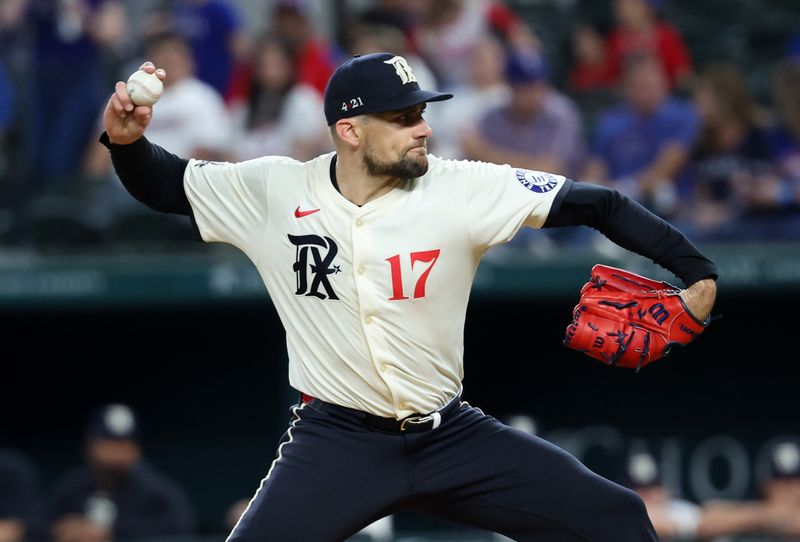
114,421
525,67
374,83
642,471
785,460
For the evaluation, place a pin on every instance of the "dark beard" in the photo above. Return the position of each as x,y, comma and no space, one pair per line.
404,169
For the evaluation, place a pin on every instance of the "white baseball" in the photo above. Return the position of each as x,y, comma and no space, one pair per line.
144,88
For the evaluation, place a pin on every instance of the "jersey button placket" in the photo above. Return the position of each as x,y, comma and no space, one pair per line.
361,249
361,243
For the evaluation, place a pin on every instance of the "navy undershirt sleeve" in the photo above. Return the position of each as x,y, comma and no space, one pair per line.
151,174
631,226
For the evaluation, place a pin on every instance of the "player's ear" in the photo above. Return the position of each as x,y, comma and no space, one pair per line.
347,131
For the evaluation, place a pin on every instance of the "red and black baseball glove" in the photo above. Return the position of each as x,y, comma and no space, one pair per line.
627,320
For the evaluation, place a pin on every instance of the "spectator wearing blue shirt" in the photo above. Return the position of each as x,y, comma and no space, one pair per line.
214,30
117,495
642,145
68,84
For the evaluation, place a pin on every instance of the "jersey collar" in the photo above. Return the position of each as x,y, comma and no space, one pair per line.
329,189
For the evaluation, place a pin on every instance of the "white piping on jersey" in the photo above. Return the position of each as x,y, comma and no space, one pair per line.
295,411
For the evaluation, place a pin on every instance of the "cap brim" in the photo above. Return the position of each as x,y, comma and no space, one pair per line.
410,99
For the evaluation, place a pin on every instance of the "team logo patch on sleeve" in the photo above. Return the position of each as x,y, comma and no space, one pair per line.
536,181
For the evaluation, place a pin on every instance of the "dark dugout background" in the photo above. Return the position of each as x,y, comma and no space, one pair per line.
210,384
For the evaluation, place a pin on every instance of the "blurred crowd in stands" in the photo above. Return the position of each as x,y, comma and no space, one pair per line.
118,494
618,99
707,138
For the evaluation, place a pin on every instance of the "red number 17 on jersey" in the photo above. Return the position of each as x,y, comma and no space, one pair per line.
425,256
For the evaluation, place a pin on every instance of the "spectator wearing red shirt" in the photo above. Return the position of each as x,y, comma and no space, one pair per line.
314,59
640,29
591,70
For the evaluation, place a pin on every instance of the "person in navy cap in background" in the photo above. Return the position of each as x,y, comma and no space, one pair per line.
672,517
781,489
117,495
19,492
539,128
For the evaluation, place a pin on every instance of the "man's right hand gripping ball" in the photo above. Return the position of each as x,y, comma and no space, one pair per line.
123,120
627,320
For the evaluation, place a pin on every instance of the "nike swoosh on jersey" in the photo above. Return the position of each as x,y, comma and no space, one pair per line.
300,214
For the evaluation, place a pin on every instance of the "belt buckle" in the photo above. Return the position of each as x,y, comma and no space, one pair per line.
435,418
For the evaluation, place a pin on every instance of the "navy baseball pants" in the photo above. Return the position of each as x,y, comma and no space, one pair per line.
335,473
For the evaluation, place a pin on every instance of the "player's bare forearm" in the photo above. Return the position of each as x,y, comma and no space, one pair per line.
700,297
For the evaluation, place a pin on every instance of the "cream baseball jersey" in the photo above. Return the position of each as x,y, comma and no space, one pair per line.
373,298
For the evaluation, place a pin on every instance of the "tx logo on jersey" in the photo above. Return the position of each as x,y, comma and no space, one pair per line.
313,260
402,68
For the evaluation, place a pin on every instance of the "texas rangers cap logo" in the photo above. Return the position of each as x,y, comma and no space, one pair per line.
536,181
374,83
402,68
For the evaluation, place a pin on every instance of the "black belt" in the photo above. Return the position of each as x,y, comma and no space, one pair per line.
415,423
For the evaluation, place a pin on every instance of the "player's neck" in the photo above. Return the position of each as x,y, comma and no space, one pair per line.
358,186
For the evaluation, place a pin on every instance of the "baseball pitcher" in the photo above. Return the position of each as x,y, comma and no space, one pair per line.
368,254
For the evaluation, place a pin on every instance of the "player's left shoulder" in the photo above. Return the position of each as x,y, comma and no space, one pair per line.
263,170
459,169
487,173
